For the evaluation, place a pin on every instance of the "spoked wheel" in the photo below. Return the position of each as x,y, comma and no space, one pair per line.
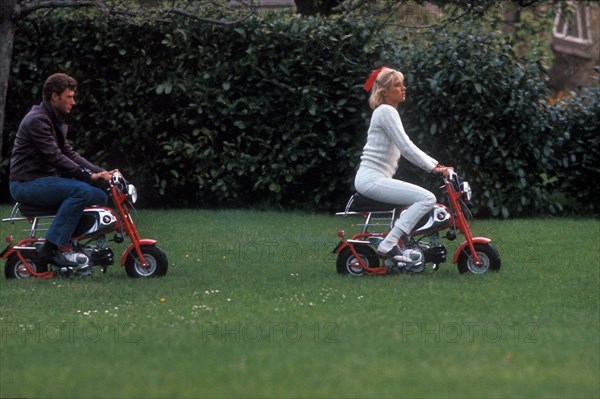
157,263
488,255
347,263
14,268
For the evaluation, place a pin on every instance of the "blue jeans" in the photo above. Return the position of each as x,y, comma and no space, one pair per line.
69,196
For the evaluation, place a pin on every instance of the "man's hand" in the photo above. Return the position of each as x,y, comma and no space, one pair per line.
103,175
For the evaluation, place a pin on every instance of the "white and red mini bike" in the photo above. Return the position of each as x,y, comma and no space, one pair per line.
357,255
142,258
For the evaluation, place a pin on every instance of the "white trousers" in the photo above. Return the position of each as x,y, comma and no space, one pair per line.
372,184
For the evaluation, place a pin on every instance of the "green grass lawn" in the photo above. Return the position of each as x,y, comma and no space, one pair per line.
252,307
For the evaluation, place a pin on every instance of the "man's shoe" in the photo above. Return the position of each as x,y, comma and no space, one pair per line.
58,259
84,268
44,255
49,253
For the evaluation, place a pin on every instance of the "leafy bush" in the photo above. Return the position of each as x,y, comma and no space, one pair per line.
475,107
276,114
577,152
272,111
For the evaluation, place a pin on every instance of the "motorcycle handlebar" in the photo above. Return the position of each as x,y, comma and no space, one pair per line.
116,176
451,173
118,180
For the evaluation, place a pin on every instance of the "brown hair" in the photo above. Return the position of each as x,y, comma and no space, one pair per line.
58,83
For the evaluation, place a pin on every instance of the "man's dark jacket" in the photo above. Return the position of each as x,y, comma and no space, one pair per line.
41,148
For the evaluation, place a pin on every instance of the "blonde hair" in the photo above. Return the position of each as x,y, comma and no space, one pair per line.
385,80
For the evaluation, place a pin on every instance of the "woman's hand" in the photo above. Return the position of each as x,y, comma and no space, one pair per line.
442,170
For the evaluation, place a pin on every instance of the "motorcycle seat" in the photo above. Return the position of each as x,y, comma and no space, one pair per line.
29,210
360,203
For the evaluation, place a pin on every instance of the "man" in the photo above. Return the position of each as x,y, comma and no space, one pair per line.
47,172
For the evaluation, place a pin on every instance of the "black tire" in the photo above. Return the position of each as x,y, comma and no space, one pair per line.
348,264
14,268
488,255
157,261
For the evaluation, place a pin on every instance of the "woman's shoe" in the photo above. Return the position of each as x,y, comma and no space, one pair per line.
410,260
396,255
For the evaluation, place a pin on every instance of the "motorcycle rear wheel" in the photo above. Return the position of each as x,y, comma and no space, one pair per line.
14,268
347,263
488,255
157,263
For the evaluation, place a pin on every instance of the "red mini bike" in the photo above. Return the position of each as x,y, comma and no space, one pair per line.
142,258
357,255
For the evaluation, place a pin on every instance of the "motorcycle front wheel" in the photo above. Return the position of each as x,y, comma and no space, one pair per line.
14,268
347,263
488,255
157,263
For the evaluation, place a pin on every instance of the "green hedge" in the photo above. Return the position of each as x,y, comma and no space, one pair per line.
577,161
272,111
267,112
474,106
481,111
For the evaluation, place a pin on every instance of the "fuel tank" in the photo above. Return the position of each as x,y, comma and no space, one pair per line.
437,219
95,221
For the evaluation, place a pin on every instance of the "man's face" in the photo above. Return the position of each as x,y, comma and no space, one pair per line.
63,102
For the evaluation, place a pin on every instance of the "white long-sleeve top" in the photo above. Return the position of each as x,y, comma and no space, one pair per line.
387,142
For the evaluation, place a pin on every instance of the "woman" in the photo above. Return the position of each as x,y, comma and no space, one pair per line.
386,143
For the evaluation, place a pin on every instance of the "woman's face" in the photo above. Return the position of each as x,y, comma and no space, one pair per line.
396,93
